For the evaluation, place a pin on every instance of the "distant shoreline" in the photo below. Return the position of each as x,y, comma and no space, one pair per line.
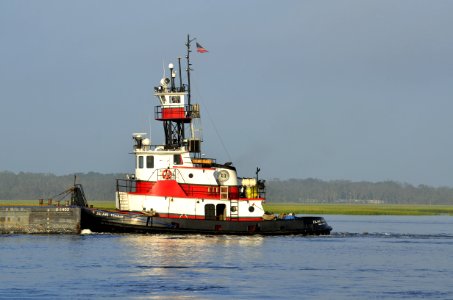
305,209
361,209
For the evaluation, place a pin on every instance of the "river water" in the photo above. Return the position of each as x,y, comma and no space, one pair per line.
382,257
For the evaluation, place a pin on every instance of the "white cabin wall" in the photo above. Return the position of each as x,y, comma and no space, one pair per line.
151,174
186,206
244,209
199,176
158,204
163,161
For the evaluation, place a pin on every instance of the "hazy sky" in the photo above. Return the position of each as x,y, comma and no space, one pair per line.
358,90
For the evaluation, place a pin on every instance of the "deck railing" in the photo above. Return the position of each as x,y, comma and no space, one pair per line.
126,185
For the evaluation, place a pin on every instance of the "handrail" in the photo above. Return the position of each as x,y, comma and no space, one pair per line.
187,112
152,174
180,175
181,89
129,185
165,173
125,185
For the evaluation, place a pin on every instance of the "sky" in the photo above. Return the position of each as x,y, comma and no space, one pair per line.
354,90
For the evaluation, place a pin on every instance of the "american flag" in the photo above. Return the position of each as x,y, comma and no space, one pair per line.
200,49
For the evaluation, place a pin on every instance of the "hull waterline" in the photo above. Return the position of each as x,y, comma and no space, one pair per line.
129,222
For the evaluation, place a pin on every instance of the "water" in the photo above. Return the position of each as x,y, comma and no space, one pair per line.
385,257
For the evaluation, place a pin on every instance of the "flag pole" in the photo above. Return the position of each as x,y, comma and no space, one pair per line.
188,67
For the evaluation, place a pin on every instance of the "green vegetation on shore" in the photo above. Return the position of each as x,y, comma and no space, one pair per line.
307,209
360,209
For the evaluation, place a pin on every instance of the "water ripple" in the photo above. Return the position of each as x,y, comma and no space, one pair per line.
390,235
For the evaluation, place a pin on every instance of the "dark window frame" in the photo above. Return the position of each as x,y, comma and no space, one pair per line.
177,159
150,162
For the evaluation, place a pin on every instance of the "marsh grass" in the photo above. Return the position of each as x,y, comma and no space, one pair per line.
360,209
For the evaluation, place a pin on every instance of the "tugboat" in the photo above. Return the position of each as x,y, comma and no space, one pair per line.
177,189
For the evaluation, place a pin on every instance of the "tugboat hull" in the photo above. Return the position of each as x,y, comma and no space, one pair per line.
132,222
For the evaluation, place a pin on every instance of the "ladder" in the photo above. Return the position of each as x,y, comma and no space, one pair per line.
234,209
123,200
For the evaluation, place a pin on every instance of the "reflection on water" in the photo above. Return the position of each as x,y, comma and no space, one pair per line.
181,243
157,255
365,257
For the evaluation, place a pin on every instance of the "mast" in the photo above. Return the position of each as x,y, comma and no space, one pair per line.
188,66
180,76
175,109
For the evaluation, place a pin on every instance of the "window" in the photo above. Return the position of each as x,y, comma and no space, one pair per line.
177,159
223,193
140,162
213,190
150,162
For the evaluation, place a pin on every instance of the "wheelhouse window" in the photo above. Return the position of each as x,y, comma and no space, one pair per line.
177,159
140,162
150,162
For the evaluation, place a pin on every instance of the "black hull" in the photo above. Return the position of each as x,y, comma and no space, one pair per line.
128,222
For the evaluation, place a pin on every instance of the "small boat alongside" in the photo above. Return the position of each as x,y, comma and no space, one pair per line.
175,188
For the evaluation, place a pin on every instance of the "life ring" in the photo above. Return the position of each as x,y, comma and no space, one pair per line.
166,174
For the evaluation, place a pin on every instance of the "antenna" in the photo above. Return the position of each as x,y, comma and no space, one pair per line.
180,77
150,122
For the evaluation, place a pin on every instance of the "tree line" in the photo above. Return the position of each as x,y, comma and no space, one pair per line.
97,186
335,191
30,186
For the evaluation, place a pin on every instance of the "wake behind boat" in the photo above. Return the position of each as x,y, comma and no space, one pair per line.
176,189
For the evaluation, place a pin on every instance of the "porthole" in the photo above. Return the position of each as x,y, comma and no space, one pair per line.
234,208
190,175
251,209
